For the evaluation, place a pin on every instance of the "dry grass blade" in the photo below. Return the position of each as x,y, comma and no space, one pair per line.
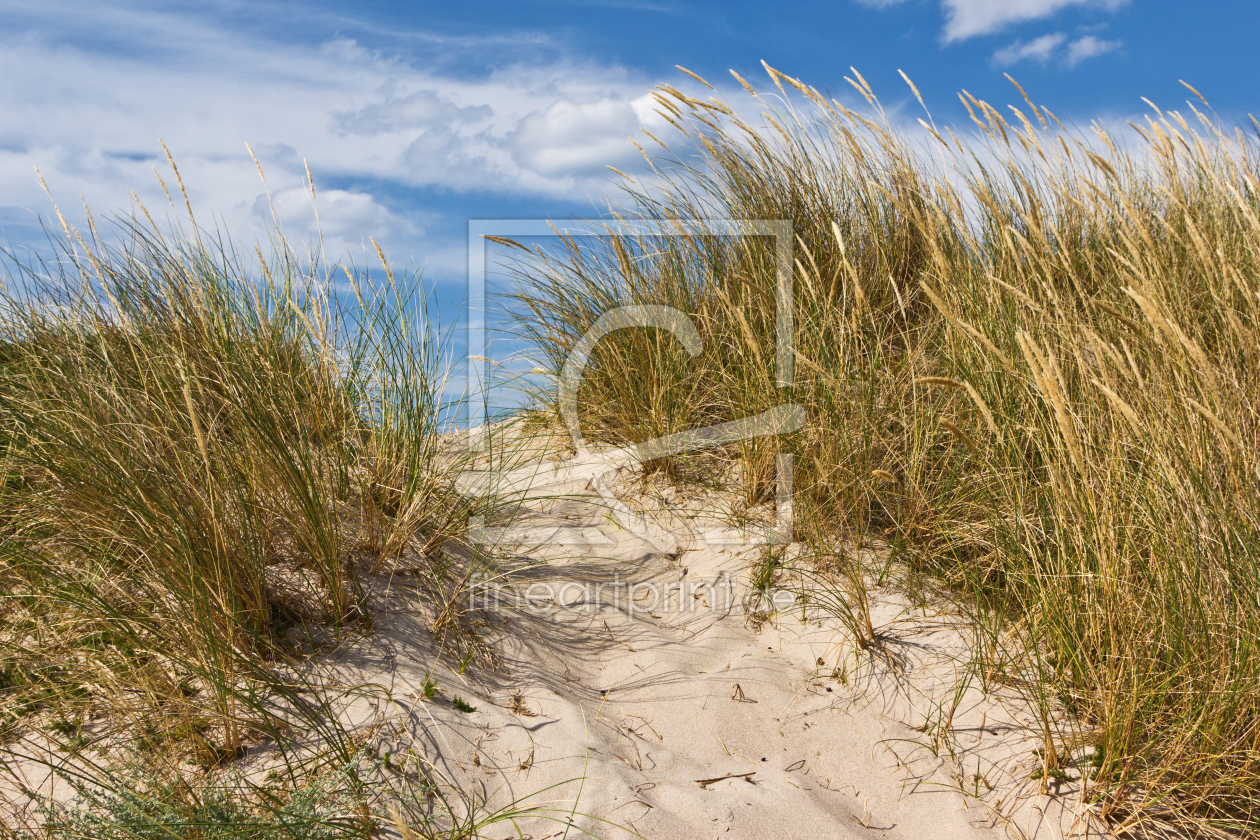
1106,527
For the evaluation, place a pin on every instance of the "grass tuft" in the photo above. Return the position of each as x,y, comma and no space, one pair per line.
202,457
1030,363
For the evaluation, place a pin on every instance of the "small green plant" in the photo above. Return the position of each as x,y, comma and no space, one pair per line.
137,803
467,657
462,704
1058,774
1096,761
66,726
765,570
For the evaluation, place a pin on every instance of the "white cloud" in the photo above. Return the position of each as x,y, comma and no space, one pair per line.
345,219
969,18
1088,47
1039,49
1046,48
568,137
418,109
90,120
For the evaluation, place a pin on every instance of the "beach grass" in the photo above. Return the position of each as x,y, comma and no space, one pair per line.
1029,355
1028,358
204,452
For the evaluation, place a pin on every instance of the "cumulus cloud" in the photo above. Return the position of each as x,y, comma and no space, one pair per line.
1047,48
342,218
969,18
88,112
571,138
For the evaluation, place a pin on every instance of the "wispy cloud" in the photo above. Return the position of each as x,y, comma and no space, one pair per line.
1039,49
969,18
88,113
1045,49
418,109
1088,47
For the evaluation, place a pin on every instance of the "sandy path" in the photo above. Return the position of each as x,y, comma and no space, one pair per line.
646,694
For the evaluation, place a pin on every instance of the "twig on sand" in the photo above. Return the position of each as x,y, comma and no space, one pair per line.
747,777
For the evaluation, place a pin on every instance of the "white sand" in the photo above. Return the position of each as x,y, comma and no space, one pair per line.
633,706
667,710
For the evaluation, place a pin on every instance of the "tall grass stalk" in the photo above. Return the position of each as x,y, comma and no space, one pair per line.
203,453
1030,361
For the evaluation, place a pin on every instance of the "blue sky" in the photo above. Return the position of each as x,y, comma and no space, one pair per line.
416,116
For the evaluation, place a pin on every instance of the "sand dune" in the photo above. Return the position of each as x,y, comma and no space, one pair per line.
639,687
641,691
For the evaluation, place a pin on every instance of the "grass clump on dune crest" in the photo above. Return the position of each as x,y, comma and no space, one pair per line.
1030,365
202,456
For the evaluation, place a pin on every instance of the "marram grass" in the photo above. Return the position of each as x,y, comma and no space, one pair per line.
202,453
1031,364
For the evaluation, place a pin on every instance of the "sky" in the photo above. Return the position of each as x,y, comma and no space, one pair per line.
414,117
